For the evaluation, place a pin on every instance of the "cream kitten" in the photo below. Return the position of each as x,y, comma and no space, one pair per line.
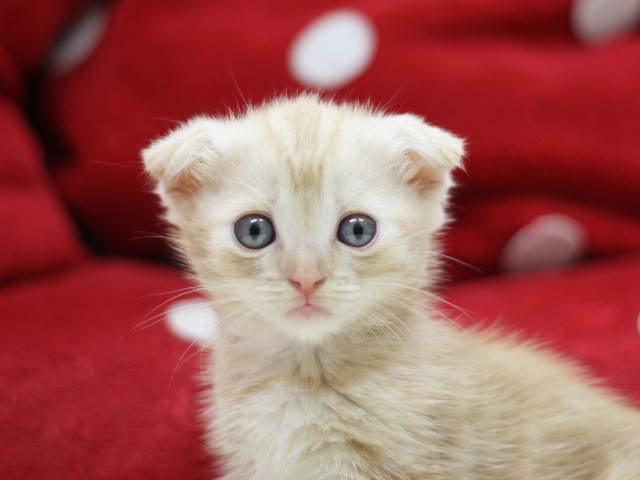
312,226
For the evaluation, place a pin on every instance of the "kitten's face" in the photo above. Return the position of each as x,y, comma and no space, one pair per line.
306,217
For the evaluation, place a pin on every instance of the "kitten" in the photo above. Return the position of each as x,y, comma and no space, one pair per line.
312,226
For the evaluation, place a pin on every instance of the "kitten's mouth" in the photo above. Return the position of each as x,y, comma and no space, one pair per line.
308,311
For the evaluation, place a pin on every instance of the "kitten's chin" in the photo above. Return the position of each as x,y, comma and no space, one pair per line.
308,311
308,323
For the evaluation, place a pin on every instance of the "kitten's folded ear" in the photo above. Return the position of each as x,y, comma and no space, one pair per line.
181,160
426,153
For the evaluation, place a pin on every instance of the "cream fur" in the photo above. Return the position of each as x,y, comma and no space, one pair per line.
380,387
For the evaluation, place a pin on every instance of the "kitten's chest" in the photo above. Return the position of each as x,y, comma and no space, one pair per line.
296,404
287,424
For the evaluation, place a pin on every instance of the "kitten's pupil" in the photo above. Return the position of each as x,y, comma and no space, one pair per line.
254,230
358,230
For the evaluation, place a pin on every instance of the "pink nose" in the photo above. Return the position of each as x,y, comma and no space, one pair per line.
307,283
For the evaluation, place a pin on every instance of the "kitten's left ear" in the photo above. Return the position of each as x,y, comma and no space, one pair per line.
181,160
426,153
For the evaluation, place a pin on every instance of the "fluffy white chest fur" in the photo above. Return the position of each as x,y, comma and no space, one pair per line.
312,410
311,225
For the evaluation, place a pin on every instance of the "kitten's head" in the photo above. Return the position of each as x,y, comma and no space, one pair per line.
305,216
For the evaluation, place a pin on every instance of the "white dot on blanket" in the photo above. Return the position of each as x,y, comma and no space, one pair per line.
80,40
548,241
192,320
597,20
333,50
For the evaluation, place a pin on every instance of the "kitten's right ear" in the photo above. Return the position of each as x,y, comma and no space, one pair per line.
181,160
427,154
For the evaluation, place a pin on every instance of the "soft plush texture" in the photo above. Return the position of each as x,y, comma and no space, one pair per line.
37,234
551,127
86,394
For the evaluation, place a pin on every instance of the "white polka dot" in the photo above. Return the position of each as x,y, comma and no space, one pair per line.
597,20
333,50
192,320
80,40
549,241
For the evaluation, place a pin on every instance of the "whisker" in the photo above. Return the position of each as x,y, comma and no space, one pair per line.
467,313
182,294
373,332
458,261
224,333
180,361
192,288
147,323
200,350
155,236
185,291
434,310
392,298
379,310
250,313
391,325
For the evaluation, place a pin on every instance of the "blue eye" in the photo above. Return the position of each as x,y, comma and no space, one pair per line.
357,230
255,231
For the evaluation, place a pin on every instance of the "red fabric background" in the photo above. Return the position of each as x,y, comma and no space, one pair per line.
37,235
84,397
36,232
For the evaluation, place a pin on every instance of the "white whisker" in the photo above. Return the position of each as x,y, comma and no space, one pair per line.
467,313
454,259
149,322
